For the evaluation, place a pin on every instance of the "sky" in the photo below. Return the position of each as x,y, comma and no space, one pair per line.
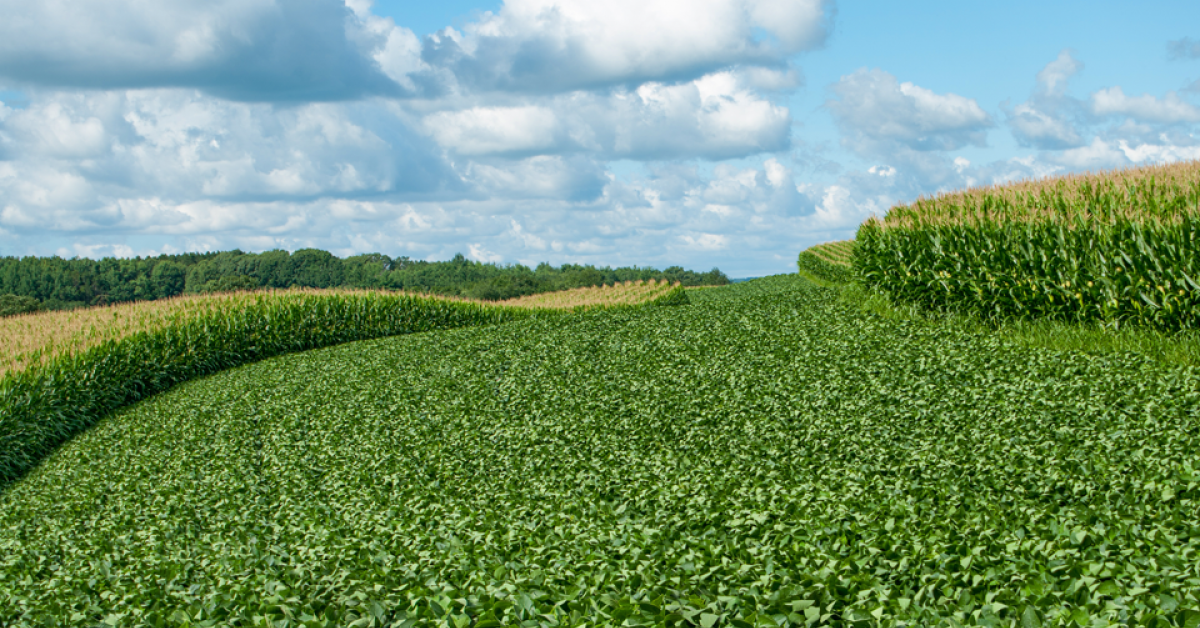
702,133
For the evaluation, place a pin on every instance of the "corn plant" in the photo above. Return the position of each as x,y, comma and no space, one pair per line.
1116,248
828,262
90,363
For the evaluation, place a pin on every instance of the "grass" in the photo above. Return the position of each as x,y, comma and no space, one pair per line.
766,456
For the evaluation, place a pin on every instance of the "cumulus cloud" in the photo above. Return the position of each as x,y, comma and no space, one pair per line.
1109,129
492,130
542,176
1049,119
1186,48
1161,153
876,112
1052,79
249,50
1099,155
1033,126
1168,110
106,159
562,45
713,117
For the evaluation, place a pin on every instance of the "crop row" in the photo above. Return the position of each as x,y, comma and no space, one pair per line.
1158,194
1117,248
838,252
762,457
44,406
37,338
159,345
1129,273
828,262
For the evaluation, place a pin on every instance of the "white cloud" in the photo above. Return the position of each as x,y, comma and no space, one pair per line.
705,241
399,56
1159,153
1052,79
541,176
715,116
839,209
478,253
1099,155
96,251
528,240
1168,110
1035,127
547,45
876,112
139,161
253,50
58,130
488,130
1049,119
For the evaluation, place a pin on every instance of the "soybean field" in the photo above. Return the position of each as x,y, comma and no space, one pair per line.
764,456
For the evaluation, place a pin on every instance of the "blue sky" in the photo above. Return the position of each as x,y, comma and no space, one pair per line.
728,133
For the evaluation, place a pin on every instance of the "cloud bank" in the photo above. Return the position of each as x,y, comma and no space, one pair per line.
641,132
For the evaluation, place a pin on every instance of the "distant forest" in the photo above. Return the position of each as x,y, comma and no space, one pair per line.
53,283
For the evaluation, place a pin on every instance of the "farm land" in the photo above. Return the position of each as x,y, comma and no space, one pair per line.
763,454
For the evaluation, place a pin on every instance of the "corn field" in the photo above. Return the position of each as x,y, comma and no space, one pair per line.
829,261
66,370
1119,248
37,338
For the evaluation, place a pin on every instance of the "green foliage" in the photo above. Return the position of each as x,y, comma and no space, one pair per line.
676,296
229,283
168,279
1121,274
763,457
819,267
1178,348
11,305
43,407
1157,194
64,284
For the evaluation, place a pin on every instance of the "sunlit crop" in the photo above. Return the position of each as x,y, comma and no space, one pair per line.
1157,194
1118,248
618,294
34,339
762,457
828,262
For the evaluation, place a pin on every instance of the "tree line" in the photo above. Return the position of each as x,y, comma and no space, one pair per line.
52,283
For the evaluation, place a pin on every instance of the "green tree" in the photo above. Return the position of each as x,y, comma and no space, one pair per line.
11,305
168,279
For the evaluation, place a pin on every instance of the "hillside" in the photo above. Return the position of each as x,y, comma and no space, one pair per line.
61,372
1112,248
829,262
37,338
763,457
